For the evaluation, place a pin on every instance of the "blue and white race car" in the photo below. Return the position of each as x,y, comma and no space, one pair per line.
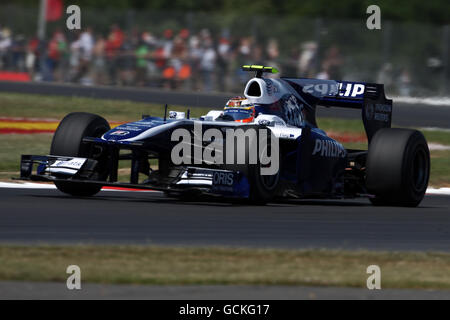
263,146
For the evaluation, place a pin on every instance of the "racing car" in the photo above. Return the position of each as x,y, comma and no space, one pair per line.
85,152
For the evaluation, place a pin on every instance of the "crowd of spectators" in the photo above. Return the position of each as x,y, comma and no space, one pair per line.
173,59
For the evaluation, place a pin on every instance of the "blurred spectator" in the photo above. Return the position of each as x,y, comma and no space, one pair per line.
5,46
242,57
307,60
32,54
99,62
208,64
142,54
332,63
56,54
177,69
385,75
126,60
404,83
273,55
83,49
323,74
195,55
18,53
223,62
112,46
179,59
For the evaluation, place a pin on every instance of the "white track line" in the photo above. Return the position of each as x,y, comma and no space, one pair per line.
26,185
32,185
434,129
437,146
444,191
441,102
49,186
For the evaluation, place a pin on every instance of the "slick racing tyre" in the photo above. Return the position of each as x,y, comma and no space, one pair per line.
67,141
263,187
398,167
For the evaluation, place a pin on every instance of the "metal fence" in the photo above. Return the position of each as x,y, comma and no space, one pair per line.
203,51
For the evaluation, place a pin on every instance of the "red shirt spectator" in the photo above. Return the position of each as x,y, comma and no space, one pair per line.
114,42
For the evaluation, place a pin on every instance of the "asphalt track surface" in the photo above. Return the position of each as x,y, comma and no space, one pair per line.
49,290
34,216
416,115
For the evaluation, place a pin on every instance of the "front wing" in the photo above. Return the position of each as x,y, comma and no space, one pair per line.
227,183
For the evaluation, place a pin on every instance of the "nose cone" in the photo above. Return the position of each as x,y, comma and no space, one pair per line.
132,129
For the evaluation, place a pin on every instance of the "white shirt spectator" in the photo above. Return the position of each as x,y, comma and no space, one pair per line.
86,45
208,60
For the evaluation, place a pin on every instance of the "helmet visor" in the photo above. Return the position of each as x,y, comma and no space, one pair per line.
240,113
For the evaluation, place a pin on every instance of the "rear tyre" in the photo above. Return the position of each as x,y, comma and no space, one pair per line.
398,167
67,141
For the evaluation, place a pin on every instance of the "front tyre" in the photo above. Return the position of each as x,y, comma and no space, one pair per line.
398,167
67,141
263,187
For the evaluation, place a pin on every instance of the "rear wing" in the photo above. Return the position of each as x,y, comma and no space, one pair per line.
376,109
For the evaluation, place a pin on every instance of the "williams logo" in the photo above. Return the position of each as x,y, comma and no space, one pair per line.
120,133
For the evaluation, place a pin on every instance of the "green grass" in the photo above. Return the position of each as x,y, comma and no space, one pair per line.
28,105
440,168
341,125
13,145
35,144
442,137
357,127
181,266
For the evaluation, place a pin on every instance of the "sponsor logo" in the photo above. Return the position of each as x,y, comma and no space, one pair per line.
378,112
75,163
344,89
354,90
172,115
382,112
120,133
264,122
223,178
321,89
72,164
329,149
130,128
176,115
147,123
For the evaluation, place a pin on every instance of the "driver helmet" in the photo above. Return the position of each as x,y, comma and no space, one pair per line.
240,110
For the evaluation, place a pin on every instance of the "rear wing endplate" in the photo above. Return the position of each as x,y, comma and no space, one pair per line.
376,109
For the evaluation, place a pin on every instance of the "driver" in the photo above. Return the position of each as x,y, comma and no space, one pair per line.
238,109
